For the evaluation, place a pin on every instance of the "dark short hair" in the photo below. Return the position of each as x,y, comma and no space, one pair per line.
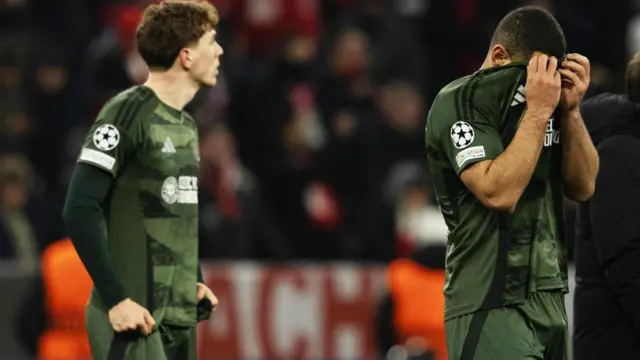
168,27
528,29
632,79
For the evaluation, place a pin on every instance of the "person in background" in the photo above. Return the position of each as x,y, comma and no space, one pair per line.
410,315
16,231
50,323
607,249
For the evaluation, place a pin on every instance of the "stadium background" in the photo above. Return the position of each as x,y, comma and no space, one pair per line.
312,147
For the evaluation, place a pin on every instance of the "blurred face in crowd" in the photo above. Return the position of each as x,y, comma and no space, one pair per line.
402,106
345,124
52,78
350,53
415,198
300,49
13,195
218,148
10,77
202,60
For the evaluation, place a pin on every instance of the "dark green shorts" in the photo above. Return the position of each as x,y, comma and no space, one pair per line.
535,330
165,343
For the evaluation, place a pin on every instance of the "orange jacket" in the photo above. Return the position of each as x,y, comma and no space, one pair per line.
67,286
418,304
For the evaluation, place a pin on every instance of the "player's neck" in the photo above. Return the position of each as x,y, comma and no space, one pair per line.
172,89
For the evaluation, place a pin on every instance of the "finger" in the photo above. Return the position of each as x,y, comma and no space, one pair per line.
582,60
117,328
214,299
576,68
130,325
533,65
557,78
149,320
144,328
202,292
571,76
542,63
553,65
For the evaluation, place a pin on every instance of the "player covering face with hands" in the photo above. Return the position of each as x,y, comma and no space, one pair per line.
137,178
505,145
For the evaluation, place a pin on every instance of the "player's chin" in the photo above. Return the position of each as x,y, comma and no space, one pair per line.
209,82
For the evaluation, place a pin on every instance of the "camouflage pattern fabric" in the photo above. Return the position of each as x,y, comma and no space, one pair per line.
494,259
152,212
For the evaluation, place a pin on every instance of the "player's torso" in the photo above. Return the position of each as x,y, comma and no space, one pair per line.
162,179
476,232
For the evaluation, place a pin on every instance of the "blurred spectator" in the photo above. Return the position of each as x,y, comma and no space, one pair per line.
410,319
50,322
17,239
234,222
114,63
418,222
49,105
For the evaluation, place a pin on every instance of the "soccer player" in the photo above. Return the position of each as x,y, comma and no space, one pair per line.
131,209
504,145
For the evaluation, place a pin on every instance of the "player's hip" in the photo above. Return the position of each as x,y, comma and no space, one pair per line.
166,342
535,329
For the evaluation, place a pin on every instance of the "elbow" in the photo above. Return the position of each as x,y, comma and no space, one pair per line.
581,193
67,214
500,202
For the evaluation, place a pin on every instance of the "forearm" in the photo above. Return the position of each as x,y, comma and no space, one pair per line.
509,174
580,158
83,220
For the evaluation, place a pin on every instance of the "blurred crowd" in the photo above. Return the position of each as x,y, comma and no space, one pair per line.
312,143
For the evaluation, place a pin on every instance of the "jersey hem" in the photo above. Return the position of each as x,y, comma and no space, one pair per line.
96,165
552,287
468,164
459,311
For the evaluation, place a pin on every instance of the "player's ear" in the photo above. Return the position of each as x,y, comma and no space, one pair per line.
499,55
185,58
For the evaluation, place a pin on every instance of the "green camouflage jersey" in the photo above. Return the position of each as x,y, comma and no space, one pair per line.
152,210
494,259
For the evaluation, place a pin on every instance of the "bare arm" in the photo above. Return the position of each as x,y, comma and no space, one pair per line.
499,183
580,158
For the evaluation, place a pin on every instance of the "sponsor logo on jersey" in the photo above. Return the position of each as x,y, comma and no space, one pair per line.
106,137
519,97
552,136
474,152
462,134
181,190
168,147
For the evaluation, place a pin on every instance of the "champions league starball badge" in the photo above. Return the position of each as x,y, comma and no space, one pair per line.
106,137
462,134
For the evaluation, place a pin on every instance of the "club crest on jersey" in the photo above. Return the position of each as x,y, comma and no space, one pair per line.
106,137
462,134
181,190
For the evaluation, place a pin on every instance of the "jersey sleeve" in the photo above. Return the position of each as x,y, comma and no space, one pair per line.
466,142
114,137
